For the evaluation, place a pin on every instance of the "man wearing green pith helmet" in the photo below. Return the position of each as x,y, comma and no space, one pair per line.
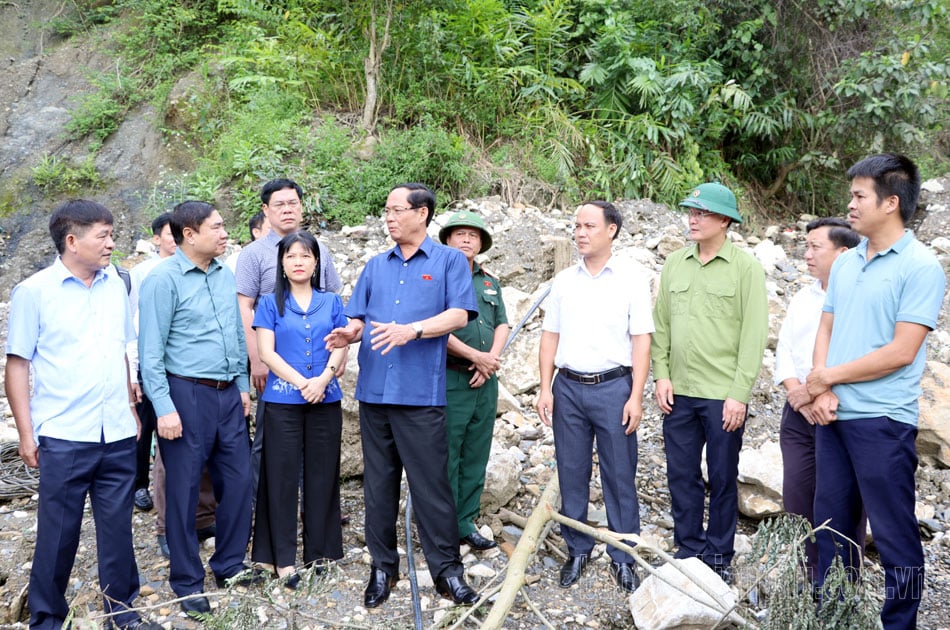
711,318
474,356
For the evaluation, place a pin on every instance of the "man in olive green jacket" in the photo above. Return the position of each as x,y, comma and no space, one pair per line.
711,320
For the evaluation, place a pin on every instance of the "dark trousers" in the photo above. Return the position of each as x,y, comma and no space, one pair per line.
213,434
204,514
469,419
69,470
582,412
257,448
693,423
397,436
797,439
871,463
314,432
143,449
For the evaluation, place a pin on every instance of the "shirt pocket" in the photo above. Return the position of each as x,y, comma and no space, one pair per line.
679,297
720,300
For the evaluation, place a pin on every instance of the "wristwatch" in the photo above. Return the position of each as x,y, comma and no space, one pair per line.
416,326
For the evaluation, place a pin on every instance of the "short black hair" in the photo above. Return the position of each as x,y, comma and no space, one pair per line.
159,222
282,283
420,196
840,234
893,174
189,214
611,214
279,184
75,217
255,223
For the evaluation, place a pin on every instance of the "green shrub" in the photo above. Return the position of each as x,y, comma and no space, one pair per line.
57,176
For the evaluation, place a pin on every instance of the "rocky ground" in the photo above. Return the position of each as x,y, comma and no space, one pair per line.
526,244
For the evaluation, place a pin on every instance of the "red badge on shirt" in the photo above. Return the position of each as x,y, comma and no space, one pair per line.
487,283
426,276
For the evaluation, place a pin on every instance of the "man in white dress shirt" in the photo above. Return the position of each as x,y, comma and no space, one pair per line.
596,332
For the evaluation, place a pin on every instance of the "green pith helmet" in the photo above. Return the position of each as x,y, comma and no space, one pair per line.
466,219
716,198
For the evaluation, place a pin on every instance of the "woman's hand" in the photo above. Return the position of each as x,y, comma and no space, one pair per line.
314,389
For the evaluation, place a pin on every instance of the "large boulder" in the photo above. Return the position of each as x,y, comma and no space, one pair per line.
760,480
671,600
502,479
933,425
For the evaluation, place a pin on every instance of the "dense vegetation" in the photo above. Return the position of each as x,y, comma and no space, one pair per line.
632,98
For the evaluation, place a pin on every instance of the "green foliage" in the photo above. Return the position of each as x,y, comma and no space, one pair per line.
100,113
57,176
778,555
351,188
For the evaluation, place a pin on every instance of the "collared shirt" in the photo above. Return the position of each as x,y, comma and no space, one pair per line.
256,271
189,325
711,323
597,316
298,339
479,333
74,337
796,339
904,283
392,289
136,275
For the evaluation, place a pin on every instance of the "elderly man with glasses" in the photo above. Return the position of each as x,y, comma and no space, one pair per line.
711,319
404,305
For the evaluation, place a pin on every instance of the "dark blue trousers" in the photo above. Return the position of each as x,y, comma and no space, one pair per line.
797,439
68,471
214,434
397,436
695,422
582,412
871,463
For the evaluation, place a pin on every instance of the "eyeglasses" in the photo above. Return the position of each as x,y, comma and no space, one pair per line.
280,205
397,209
695,213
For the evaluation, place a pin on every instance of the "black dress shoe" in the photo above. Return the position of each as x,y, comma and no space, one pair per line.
478,542
456,589
143,500
378,589
245,577
290,581
207,532
163,546
198,605
572,570
625,575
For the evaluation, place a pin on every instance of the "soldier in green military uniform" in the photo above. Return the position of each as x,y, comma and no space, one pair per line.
474,355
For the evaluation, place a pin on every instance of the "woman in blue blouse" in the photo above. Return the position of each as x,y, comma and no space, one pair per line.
303,414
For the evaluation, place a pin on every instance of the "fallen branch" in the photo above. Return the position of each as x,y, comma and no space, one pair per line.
524,551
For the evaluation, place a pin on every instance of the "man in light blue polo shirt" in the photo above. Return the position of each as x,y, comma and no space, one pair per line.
403,306
883,298
70,322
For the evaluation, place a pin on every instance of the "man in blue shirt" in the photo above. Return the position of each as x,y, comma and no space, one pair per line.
194,369
411,297
883,298
71,322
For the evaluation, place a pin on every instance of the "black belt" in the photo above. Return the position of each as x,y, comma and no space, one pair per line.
594,379
459,367
207,382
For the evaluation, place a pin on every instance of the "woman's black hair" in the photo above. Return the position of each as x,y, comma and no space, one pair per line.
282,284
